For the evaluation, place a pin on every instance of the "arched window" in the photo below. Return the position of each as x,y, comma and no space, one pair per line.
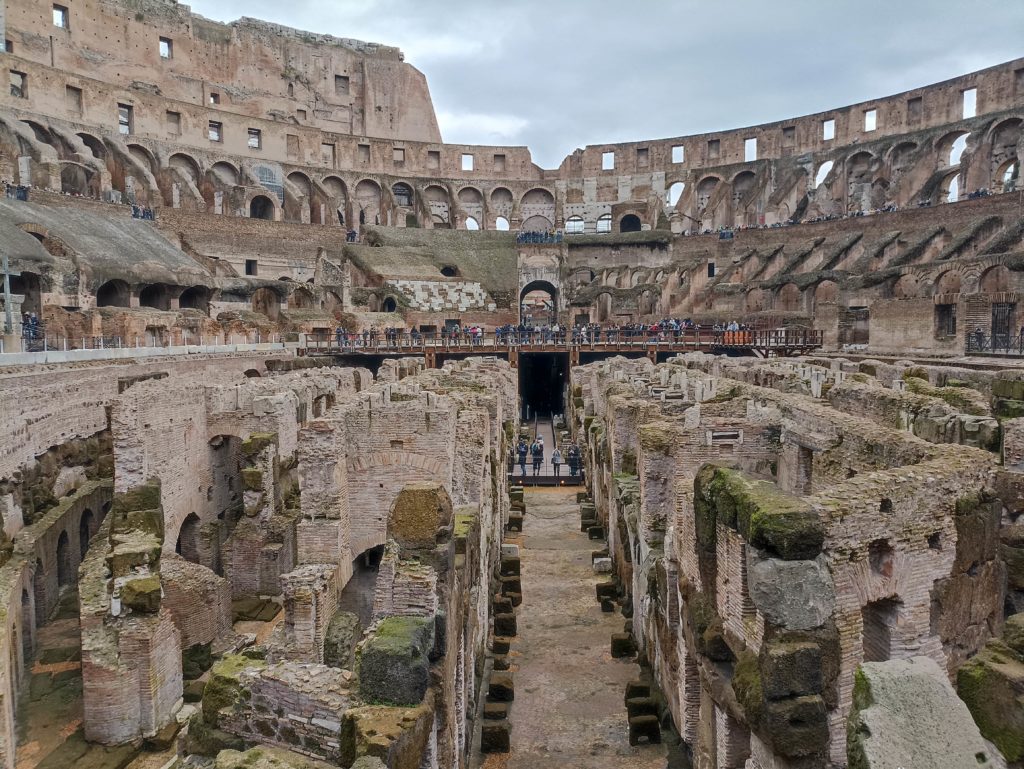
953,191
574,225
389,305
501,223
957,149
629,223
403,194
823,171
472,224
604,223
674,193
261,208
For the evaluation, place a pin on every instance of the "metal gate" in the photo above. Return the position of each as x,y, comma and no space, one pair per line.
1002,324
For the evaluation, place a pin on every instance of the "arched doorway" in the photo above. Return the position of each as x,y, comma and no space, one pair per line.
187,545
113,293
629,223
84,533
156,296
538,303
195,298
65,569
389,304
266,302
261,207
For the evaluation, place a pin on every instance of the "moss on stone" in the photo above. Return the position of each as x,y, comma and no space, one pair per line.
992,686
256,443
463,524
142,594
143,497
658,437
747,686
252,479
962,399
224,689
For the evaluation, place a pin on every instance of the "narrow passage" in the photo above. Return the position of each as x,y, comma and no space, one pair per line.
569,709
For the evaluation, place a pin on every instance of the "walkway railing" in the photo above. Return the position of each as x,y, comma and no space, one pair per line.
412,343
996,344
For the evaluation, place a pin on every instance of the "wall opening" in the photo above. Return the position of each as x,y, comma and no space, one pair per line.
879,622
542,379
630,223
261,208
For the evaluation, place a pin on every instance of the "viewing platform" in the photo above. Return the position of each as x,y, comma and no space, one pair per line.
435,349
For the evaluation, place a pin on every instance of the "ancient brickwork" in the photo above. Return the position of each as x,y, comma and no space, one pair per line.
776,524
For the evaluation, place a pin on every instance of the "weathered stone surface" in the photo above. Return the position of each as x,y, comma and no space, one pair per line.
419,511
992,685
905,713
798,595
265,758
342,636
142,594
791,670
394,667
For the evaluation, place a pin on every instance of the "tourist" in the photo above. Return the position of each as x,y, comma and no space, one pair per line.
537,452
521,451
556,461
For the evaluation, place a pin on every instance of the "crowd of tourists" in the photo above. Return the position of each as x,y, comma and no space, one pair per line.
534,453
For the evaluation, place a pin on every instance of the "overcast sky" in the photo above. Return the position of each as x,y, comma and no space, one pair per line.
560,74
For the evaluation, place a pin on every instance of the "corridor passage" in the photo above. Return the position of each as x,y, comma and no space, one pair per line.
569,711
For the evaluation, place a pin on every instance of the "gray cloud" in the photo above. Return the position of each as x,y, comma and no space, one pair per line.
561,74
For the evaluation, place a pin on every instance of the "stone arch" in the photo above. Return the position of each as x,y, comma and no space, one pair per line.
826,292
113,293
949,188
266,302
675,194
367,200
403,194
788,298
705,189
187,543
335,187
542,286
537,224
195,298
949,148
995,280
501,224
187,165
757,299
949,282
630,223
225,172
144,157
901,155
78,179
824,169
95,145
30,286
298,198
907,287
155,295
302,299
502,196
261,207
537,204
470,196
389,304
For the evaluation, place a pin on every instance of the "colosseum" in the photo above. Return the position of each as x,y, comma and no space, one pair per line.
329,444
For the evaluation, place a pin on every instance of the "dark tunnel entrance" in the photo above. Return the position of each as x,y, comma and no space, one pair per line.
543,377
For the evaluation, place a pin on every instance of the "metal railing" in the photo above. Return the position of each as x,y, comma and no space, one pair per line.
609,339
997,344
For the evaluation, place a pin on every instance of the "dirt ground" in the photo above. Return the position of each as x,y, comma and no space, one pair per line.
568,710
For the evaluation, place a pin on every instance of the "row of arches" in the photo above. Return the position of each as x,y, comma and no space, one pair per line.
162,296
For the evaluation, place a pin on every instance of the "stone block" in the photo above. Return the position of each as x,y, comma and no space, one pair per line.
644,728
343,633
495,737
501,662
798,595
394,665
791,670
607,605
515,598
501,688
501,604
606,590
991,684
510,550
637,688
582,496
511,584
501,644
602,565
622,645
505,625
798,726
419,511
510,567
595,532
515,522
602,553
905,713
223,688
641,706
495,711
142,594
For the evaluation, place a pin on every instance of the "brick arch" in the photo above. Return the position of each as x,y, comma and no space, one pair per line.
391,458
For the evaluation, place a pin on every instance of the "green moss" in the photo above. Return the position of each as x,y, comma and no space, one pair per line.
767,517
962,399
401,397
725,395
223,689
990,685
463,524
252,479
658,437
257,442
748,687
144,497
629,462
142,594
